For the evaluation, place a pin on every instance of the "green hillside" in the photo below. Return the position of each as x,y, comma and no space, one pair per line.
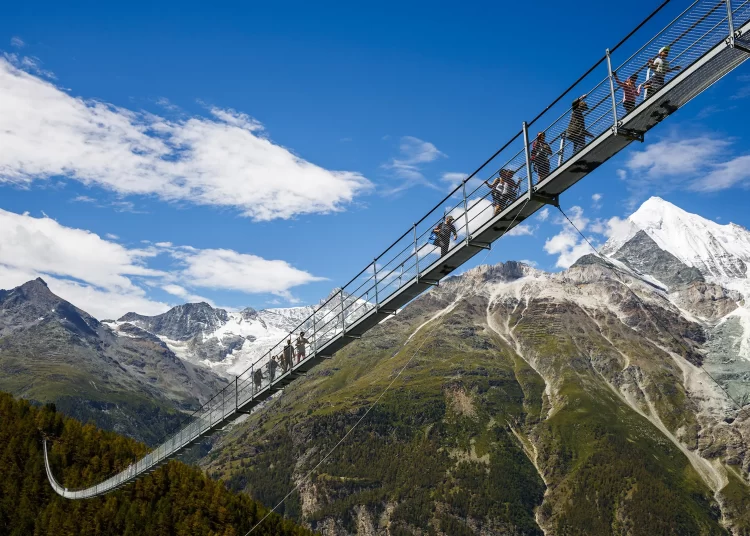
473,440
176,500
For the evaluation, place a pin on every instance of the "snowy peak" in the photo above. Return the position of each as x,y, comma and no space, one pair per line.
182,322
718,251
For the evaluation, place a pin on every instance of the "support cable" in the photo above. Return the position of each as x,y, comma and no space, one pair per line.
617,271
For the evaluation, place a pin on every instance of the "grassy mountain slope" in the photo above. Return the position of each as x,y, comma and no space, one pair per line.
51,351
522,412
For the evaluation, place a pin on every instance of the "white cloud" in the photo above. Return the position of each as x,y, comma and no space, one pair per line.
543,214
735,172
676,157
567,244
17,42
568,248
186,295
703,163
92,273
414,154
28,63
529,262
521,230
225,160
43,245
110,236
107,279
230,270
452,178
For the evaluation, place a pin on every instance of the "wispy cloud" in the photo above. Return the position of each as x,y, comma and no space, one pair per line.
543,214
452,178
702,164
225,160
596,201
29,63
521,229
17,42
414,154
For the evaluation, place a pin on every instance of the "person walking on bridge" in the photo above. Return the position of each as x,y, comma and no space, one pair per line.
577,132
630,90
444,230
510,187
258,379
496,189
660,68
540,153
300,343
272,366
289,353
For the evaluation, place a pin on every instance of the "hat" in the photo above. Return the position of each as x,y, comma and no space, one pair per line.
449,218
664,49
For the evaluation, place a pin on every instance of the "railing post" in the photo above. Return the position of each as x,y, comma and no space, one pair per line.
561,152
730,20
400,275
612,92
466,212
375,275
343,317
315,336
416,250
529,178
223,402
236,395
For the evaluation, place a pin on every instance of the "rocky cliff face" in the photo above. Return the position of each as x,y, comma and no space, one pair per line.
51,351
528,403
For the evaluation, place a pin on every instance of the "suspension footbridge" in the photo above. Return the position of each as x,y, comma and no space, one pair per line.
706,39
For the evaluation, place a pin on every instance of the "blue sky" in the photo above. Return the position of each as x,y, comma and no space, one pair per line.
302,139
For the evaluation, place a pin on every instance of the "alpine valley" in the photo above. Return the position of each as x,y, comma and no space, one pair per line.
590,401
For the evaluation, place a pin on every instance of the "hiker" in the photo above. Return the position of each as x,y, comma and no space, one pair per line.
444,230
660,68
540,153
510,187
577,126
289,353
301,342
272,365
280,359
258,379
630,90
496,189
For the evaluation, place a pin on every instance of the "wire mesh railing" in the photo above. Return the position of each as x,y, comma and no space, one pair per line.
603,98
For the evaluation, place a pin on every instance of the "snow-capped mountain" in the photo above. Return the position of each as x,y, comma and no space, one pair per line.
704,268
228,342
720,252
